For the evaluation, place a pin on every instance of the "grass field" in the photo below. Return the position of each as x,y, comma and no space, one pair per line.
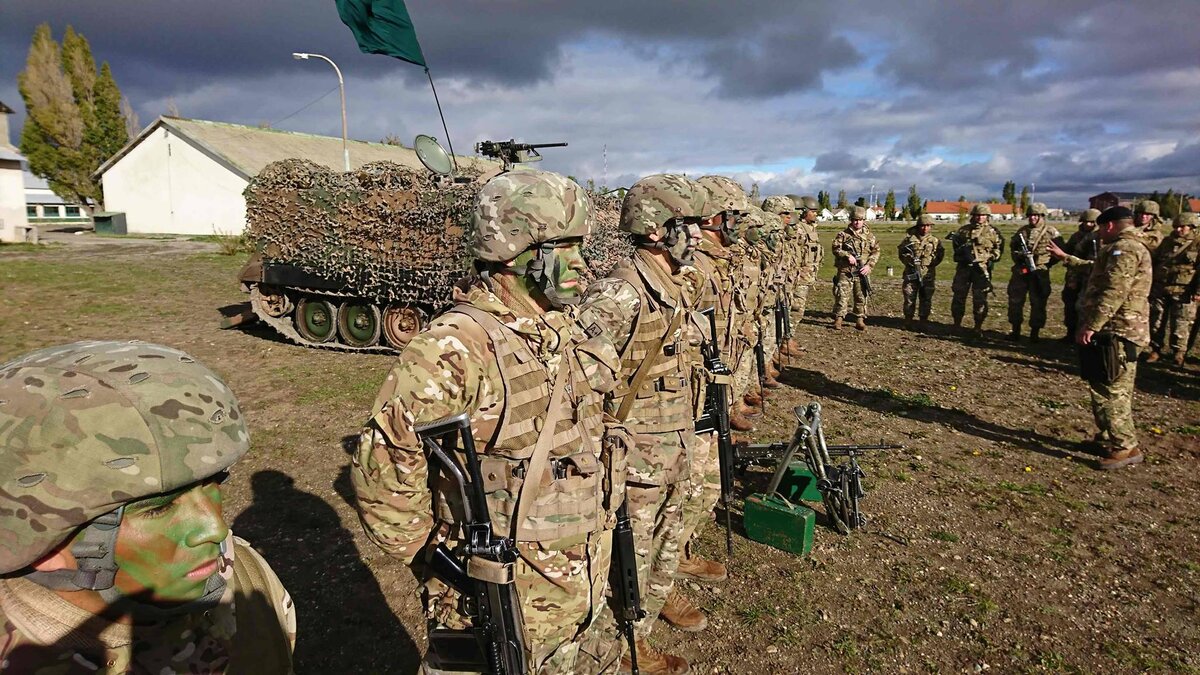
992,543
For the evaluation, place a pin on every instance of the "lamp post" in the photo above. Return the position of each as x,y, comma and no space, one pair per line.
304,56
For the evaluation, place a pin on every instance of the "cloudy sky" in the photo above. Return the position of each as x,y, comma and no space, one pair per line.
1073,96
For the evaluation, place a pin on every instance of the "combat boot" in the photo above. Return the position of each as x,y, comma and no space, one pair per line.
682,614
837,323
772,371
1033,334
747,410
652,662
739,423
702,569
751,400
1119,458
1152,357
771,382
1015,334
861,324
793,347
1179,359
978,329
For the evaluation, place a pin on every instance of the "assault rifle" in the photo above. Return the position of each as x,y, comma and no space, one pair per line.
962,249
494,643
769,454
864,279
716,418
783,321
624,581
760,366
840,485
915,275
511,152
1029,265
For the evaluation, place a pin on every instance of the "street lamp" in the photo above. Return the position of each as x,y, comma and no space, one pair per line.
304,56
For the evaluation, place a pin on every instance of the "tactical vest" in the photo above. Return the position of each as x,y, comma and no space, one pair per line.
569,502
664,401
719,293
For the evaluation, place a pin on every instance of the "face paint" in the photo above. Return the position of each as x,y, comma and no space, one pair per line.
168,546
566,267
683,238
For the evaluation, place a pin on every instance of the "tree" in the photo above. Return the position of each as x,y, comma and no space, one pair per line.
861,201
904,213
74,120
823,200
962,198
755,198
889,205
962,212
914,202
133,126
1024,199
841,204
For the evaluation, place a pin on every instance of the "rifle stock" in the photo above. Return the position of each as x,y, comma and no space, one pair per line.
624,580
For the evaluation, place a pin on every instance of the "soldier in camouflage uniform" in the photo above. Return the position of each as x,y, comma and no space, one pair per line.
772,248
530,369
810,253
789,257
977,247
1172,296
656,394
855,252
1034,283
114,553
747,390
921,252
1148,219
1117,303
1084,244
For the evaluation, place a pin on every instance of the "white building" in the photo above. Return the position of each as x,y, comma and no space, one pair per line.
184,176
43,206
14,226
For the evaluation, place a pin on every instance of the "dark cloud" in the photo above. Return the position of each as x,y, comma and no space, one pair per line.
838,161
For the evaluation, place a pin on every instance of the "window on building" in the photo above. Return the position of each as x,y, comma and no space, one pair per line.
72,211
31,211
52,211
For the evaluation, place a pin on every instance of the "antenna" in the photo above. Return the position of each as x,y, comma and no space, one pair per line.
604,180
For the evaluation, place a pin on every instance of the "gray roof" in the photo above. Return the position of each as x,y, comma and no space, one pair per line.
246,150
5,109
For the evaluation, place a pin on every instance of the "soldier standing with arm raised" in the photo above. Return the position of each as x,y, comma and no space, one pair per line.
977,247
855,252
1031,271
530,377
1115,321
1083,244
921,252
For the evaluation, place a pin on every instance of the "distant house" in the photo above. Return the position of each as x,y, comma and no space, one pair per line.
1194,205
1106,200
43,206
185,176
14,226
949,211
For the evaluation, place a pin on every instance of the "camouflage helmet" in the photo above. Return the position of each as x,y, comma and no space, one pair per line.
750,226
858,213
1187,219
778,205
806,203
981,210
1036,209
1147,206
772,223
925,219
656,200
724,194
519,210
1089,216
88,427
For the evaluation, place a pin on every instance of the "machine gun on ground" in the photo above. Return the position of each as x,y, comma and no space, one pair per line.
495,642
511,152
716,418
963,255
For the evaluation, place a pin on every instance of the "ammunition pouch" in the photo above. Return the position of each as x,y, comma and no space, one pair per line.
1105,359
617,443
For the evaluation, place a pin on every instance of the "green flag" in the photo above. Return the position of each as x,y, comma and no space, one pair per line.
382,27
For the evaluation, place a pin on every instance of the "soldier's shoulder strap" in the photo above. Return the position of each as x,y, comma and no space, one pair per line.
639,376
266,617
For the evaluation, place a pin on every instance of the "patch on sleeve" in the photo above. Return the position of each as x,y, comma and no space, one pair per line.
1117,252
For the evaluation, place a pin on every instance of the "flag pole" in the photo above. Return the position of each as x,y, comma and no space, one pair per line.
444,127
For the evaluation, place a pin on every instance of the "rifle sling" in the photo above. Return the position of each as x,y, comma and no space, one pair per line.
541,451
639,376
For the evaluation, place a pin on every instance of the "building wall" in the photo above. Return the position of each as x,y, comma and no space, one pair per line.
12,200
164,185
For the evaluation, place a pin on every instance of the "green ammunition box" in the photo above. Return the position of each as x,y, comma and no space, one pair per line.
774,521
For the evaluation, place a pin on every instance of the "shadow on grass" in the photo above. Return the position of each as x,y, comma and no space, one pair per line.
344,623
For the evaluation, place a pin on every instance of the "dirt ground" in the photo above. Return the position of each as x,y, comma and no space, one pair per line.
992,544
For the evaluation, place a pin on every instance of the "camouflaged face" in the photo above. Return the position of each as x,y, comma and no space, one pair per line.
1146,206
654,200
1036,209
981,210
89,426
1089,216
778,205
724,194
521,209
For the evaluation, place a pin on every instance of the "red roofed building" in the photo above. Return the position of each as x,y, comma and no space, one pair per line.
1194,205
950,210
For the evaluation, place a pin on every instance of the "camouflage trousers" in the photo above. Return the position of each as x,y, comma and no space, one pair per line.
1070,296
1171,323
704,487
1036,285
968,279
1112,406
918,299
847,287
800,300
656,512
564,627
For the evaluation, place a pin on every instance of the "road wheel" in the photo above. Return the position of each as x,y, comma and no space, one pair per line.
316,320
401,323
358,323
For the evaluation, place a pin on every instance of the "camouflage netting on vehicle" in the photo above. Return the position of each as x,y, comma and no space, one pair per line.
384,231
607,245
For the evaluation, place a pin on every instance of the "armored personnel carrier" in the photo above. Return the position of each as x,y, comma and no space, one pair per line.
360,261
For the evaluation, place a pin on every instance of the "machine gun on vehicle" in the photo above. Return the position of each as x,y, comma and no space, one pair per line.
964,255
495,642
511,152
715,417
